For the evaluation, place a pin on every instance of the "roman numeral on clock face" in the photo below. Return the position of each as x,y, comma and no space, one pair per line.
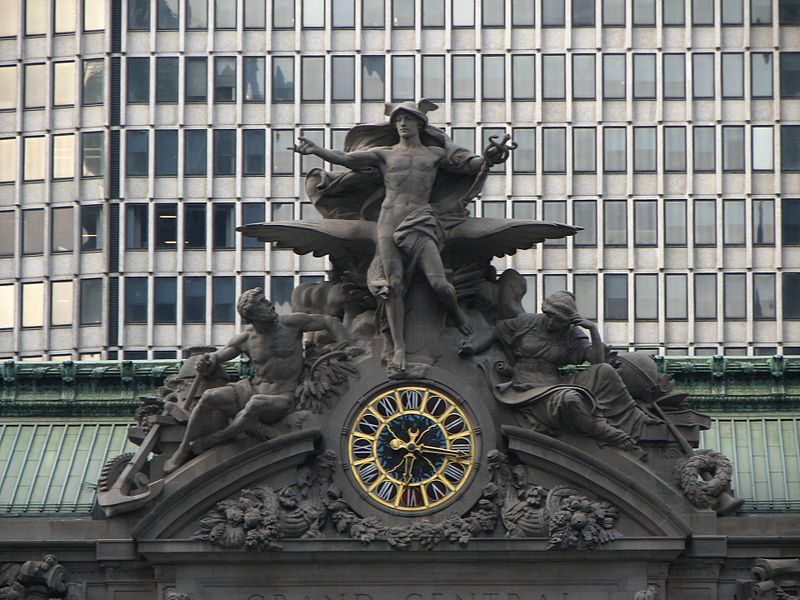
362,448
387,406
368,472
387,490
411,399
454,472
436,490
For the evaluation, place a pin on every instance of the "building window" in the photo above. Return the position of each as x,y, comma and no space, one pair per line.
196,85
585,287
8,87
676,297
790,221
372,15
92,85
403,78
309,161
615,223
790,74
197,13
702,75
35,86
136,153
7,233
92,154
373,75
761,12
166,224
167,79
91,227
583,76
675,222
733,148
790,147
463,77
644,13
224,152
194,299
644,76
584,149
195,152
493,13
645,222
705,296
761,75
254,73
553,284
343,78
555,152
432,77
616,297
762,150
674,76
732,12
255,14
282,155
283,14
33,163
552,13
224,14
165,299
704,142
402,13
32,304
764,295
61,303
224,79
433,13
493,71
675,149
313,78
223,304
344,14
61,230
138,15
583,13
64,13
35,17
674,11
529,299
166,152
791,292
167,14
553,77
524,157
224,226
733,75
584,214
702,12
194,226
735,300
283,79
613,13
136,300
33,231
138,80
763,222
136,227
94,15
705,222
63,156
614,151
252,212
613,76
646,297
253,151
644,149
554,212
91,301
63,83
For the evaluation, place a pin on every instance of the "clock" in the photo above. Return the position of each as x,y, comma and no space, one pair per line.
411,448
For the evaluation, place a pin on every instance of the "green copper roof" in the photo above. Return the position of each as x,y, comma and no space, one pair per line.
53,468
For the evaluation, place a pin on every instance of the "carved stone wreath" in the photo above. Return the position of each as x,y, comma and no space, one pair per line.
704,477
260,517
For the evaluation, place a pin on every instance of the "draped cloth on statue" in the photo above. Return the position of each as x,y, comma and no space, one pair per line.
593,401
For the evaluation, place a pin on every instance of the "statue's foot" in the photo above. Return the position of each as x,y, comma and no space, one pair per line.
463,324
398,362
206,442
176,461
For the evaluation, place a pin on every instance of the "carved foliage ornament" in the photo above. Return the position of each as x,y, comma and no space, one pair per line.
260,517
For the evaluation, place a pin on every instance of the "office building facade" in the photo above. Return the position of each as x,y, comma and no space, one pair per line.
135,136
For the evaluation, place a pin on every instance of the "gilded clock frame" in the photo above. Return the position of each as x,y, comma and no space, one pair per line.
454,424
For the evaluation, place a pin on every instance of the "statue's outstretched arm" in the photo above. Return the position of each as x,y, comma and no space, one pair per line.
351,160
311,322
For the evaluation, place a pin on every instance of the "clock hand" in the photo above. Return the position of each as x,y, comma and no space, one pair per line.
409,465
444,451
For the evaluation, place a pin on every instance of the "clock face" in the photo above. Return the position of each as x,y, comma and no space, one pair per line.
411,448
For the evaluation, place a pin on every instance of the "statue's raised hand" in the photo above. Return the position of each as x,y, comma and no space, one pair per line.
205,364
581,321
305,146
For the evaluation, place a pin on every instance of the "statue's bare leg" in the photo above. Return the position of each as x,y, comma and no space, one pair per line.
222,399
431,264
260,407
392,260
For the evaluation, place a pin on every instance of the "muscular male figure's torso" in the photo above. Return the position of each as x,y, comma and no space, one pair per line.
276,356
408,177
